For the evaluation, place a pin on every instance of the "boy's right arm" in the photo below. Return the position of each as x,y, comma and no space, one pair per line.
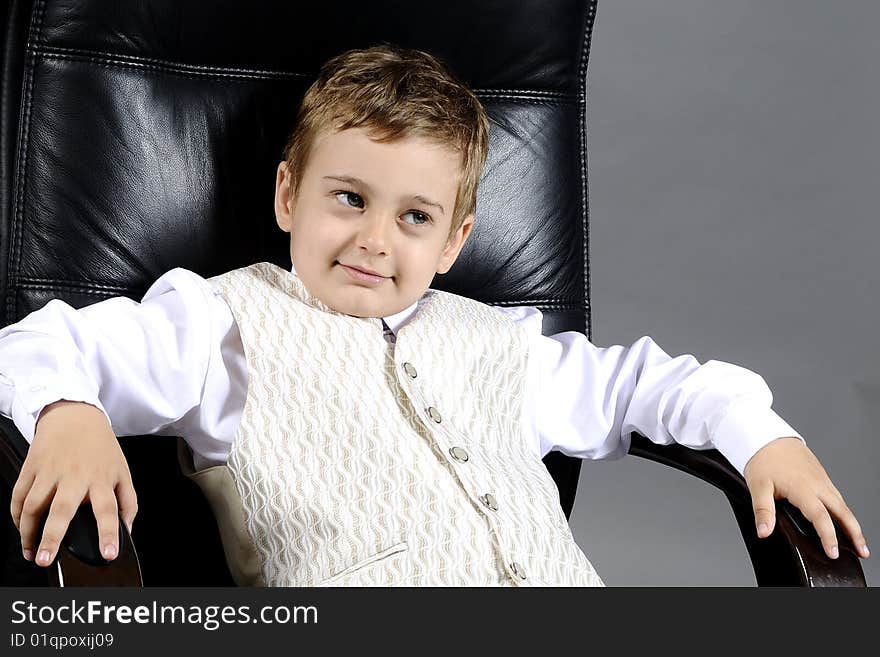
66,374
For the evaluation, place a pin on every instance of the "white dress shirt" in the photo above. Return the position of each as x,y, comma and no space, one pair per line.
174,364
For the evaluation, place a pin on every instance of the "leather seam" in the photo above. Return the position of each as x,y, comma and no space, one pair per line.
153,62
56,284
582,120
37,284
553,304
17,215
218,74
167,66
527,100
103,63
526,93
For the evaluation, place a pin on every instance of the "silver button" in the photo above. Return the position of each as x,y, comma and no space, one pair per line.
518,570
489,500
459,454
411,370
434,414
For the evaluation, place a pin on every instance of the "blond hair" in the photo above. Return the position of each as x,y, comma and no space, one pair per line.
394,93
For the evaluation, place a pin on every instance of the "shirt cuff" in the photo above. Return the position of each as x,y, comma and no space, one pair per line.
746,428
32,396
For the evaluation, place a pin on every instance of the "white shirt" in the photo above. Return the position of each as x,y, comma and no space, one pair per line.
174,364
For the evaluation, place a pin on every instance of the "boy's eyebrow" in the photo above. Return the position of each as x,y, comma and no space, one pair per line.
351,180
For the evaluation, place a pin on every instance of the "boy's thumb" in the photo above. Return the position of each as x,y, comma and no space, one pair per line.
764,508
765,527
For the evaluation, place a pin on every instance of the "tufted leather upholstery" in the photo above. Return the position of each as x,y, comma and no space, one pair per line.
142,136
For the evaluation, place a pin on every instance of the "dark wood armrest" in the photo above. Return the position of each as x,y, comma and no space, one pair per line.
79,561
792,555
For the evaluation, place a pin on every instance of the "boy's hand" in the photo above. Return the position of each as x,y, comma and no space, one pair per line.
74,457
786,468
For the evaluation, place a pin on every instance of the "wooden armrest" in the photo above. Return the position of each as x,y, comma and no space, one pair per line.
792,555
79,561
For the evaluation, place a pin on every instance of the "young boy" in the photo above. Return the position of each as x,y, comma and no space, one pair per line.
349,425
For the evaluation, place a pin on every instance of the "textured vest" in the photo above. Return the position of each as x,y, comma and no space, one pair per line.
363,463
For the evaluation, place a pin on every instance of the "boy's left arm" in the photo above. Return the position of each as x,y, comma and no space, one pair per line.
589,399
787,468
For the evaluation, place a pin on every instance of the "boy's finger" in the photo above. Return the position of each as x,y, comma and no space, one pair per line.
32,510
107,515
19,495
813,509
764,507
62,509
846,518
128,506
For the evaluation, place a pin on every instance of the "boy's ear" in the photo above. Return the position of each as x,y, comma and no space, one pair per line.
454,244
283,201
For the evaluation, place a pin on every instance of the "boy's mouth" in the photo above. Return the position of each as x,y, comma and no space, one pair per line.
363,275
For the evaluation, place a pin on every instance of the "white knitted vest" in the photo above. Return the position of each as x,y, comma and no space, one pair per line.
362,463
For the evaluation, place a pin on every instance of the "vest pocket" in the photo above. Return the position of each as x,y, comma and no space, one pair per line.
387,553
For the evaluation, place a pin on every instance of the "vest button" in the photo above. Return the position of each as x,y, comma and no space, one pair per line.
434,414
411,370
518,570
459,454
489,500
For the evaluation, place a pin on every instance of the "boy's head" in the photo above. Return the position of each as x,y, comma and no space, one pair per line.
380,174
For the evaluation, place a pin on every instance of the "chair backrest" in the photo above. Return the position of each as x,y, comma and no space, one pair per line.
141,136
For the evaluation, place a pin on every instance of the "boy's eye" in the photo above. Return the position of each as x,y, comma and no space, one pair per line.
420,218
353,200
358,201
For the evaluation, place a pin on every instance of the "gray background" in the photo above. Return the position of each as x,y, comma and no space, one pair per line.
734,161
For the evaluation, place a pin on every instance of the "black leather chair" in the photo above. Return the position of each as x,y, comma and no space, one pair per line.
141,136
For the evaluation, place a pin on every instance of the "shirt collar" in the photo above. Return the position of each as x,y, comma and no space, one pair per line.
395,321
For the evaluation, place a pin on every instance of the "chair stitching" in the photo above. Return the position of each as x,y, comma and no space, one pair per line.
525,96
41,284
219,75
137,61
530,101
153,63
17,215
582,121
538,93
99,288
531,302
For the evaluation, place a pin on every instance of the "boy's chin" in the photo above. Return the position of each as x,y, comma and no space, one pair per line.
361,309
355,308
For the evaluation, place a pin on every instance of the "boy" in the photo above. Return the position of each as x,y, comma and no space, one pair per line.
349,425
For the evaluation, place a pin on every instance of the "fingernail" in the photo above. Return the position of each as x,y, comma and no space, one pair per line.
109,551
28,555
43,556
834,553
763,528
865,551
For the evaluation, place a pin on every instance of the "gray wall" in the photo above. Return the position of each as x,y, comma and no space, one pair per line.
734,167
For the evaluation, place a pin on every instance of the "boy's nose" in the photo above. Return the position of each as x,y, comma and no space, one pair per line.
373,233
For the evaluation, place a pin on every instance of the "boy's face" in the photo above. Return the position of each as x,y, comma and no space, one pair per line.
384,208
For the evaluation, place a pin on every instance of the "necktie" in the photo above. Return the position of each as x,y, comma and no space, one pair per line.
388,333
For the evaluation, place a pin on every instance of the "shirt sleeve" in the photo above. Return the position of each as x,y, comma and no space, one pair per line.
585,401
145,365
